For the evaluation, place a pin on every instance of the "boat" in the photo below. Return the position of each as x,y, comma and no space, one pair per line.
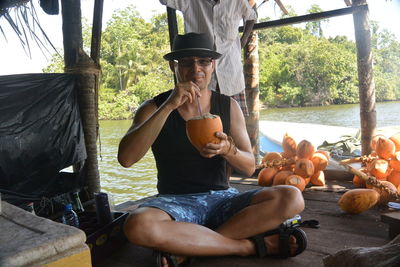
324,137
272,132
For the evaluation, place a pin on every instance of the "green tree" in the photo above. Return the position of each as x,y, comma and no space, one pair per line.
386,53
311,71
315,27
297,66
132,60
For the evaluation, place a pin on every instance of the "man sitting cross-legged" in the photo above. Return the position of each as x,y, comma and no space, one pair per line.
196,212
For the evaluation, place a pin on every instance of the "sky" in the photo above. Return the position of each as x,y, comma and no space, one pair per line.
15,61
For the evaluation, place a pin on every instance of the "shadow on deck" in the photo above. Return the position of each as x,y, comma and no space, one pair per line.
338,231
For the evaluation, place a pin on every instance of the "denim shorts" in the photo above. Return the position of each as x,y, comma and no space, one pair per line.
210,209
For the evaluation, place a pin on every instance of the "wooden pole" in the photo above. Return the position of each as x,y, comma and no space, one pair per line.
96,31
172,25
365,76
251,76
172,28
77,62
95,54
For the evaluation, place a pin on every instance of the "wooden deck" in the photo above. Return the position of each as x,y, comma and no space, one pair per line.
338,231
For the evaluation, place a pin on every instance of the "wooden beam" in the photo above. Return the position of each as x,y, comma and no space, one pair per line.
366,84
282,7
309,17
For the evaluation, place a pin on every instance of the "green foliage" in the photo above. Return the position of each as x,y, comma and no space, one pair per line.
297,66
315,27
56,65
132,62
312,71
115,105
386,51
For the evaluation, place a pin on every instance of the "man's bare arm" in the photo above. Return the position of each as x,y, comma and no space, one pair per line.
248,27
141,135
243,160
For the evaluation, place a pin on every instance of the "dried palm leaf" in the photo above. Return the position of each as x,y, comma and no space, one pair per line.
22,18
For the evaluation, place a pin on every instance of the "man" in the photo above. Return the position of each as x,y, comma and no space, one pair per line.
220,19
196,212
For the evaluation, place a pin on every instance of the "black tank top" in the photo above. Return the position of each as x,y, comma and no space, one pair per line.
181,168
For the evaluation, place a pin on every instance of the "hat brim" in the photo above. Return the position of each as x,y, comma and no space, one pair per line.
192,52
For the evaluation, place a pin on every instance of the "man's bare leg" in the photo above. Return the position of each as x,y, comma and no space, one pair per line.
268,209
154,228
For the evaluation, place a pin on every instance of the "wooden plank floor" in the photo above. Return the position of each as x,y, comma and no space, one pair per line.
337,231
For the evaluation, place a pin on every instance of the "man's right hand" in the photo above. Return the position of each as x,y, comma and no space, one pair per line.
183,92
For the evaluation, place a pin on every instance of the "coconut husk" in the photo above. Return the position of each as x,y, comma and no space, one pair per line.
276,163
371,180
385,256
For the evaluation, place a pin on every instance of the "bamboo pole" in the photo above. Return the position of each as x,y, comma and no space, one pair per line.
365,75
77,62
251,75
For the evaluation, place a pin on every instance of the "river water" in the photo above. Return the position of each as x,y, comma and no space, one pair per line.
139,180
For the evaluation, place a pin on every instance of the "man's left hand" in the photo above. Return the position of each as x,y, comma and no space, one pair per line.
211,150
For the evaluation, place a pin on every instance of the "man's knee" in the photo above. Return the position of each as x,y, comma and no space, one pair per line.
290,199
141,226
286,199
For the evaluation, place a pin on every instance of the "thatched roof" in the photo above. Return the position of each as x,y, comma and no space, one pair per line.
21,16
5,4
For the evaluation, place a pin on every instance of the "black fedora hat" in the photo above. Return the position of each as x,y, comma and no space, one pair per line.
192,45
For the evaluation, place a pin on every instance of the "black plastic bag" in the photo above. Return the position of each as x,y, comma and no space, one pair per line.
40,133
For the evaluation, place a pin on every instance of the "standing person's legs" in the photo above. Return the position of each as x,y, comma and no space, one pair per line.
155,228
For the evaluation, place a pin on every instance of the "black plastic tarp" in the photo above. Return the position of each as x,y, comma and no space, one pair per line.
40,133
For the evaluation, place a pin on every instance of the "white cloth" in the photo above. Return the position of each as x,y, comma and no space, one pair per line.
220,20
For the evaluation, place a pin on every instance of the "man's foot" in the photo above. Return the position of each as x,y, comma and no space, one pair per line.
272,243
282,242
163,259
179,260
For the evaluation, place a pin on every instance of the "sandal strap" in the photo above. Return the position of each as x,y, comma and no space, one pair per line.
284,237
259,242
157,259
284,247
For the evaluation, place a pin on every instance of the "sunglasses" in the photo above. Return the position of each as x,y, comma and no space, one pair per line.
202,62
